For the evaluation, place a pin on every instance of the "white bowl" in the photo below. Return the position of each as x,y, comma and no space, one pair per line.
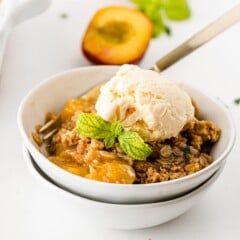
52,94
118,216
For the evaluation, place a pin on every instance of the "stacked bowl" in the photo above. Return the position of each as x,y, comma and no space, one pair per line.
122,206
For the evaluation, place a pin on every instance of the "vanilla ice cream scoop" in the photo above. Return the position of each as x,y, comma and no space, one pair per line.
145,102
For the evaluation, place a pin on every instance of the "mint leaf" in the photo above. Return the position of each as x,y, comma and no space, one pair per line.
92,126
151,8
64,15
134,146
237,101
157,20
167,30
157,10
109,140
116,128
187,151
177,9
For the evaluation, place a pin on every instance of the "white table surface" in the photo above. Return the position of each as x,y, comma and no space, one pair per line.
49,44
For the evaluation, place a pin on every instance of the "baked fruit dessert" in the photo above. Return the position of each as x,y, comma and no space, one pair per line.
117,35
136,128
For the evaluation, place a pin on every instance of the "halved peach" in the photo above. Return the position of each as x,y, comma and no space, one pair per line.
117,35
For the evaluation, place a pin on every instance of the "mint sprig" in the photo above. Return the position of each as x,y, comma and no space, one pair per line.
93,126
158,10
237,101
116,128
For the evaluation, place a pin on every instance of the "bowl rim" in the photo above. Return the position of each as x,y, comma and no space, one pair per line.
81,179
35,172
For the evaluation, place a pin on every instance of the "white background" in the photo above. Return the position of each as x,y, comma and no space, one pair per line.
49,44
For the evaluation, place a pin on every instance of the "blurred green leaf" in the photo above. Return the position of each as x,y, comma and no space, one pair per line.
156,10
177,9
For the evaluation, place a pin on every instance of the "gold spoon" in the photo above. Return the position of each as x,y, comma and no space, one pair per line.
205,35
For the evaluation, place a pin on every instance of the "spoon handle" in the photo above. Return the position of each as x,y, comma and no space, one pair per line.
205,35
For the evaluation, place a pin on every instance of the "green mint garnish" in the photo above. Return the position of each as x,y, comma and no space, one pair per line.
237,101
167,30
157,10
187,151
116,128
109,141
64,15
93,126
134,146
177,10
